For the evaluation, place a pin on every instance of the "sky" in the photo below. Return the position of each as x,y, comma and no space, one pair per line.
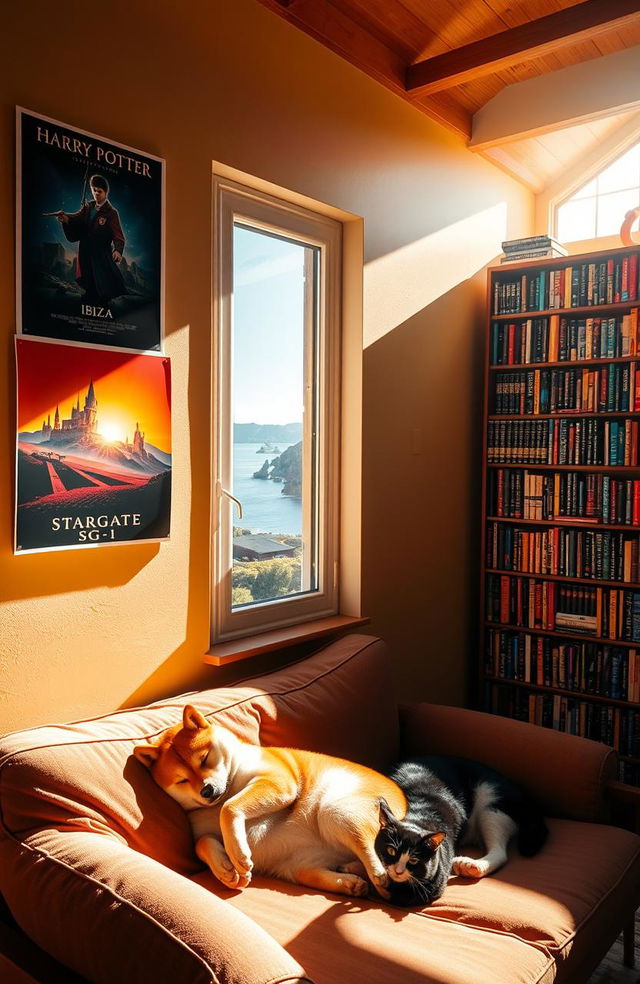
129,388
268,311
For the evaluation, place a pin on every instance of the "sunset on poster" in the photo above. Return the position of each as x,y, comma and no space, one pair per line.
94,446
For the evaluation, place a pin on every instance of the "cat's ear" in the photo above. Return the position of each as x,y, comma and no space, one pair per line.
385,814
435,840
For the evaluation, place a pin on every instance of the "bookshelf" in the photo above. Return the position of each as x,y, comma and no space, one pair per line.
560,579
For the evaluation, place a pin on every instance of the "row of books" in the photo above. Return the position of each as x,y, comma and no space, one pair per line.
581,667
534,604
580,497
549,606
596,555
613,388
559,339
614,726
562,441
609,281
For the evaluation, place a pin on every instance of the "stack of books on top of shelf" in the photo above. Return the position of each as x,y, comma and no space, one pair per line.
531,248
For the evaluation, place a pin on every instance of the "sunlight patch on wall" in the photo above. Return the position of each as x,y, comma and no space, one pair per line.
404,282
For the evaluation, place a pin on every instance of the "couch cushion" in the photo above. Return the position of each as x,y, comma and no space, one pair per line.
587,877
83,776
340,941
562,903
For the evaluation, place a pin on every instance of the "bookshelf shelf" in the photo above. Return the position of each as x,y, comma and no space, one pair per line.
574,354
567,521
563,692
619,469
590,581
558,634
591,309
566,415
564,364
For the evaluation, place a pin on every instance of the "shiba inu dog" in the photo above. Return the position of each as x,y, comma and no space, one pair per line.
302,816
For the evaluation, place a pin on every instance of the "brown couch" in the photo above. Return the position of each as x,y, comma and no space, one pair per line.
97,864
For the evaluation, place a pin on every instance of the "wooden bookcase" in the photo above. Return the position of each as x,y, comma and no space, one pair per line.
560,581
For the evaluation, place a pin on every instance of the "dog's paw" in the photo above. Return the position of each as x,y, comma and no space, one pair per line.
224,871
350,884
380,880
242,862
354,868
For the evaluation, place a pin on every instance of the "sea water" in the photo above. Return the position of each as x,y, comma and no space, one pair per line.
264,508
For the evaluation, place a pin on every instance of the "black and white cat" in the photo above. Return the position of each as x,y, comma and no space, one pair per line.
452,802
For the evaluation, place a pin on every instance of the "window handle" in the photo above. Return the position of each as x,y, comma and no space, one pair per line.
228,494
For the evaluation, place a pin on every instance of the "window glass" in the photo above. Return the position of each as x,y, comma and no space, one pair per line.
612,210
274,333
598,208
623,173
576,220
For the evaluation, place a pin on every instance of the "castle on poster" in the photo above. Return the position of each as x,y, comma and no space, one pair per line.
89,237
93,446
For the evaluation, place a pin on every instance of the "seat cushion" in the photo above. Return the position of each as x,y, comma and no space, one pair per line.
562,906
576,890
340,941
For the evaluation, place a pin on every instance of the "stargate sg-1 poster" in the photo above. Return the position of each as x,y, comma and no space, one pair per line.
89,238
93,451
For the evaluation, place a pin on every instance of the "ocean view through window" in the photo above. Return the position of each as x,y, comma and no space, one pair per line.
277,434
274,344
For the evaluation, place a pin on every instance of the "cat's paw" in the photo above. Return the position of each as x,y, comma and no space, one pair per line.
469,867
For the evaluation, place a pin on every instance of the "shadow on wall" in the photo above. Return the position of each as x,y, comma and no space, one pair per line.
204,676
65,571
421,491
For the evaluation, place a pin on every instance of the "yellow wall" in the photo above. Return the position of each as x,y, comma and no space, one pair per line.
85,631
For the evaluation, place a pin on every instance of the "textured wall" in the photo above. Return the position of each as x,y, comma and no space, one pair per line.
84,631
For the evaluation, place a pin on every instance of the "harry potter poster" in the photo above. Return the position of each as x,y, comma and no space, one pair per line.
89,237
93,448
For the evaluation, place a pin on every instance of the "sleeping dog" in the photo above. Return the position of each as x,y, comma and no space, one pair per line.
308,818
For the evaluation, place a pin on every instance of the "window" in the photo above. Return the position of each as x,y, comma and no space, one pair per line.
598,208
277,301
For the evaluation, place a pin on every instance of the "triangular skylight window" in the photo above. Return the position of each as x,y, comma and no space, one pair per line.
598,208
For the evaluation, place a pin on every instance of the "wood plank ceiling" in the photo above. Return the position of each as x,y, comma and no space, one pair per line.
450,57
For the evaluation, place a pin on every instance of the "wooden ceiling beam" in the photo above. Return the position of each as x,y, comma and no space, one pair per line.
534,39
328,25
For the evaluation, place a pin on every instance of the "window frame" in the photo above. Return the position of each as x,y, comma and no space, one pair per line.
588,175
237,202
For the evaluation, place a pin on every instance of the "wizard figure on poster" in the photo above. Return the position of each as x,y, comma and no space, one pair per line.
89,237
97,230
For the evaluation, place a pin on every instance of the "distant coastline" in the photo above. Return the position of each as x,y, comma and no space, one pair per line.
261,433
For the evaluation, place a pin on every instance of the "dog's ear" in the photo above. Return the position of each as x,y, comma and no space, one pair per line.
147,754
385,815
193,719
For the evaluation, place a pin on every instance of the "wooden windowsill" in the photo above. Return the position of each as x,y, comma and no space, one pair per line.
224,653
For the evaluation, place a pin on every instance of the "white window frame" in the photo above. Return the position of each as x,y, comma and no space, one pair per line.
598,196
578,175
236,202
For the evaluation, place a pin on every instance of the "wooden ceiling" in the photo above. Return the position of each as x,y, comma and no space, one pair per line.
450,57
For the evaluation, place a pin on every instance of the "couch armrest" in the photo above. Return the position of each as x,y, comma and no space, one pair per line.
566,774
112,914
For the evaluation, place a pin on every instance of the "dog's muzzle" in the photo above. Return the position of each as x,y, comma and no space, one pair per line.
211,792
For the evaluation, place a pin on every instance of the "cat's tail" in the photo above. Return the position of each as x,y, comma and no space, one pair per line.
532,833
